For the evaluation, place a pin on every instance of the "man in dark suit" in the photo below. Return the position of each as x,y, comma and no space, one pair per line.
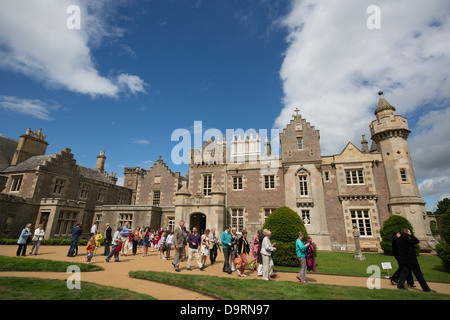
408,260
108,239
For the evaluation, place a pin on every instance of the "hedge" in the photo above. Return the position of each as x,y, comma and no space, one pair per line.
285,224
51,242
390,225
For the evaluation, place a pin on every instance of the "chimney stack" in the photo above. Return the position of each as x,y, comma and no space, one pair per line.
101,161
31,144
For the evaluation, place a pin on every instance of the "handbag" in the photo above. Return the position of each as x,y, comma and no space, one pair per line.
119,246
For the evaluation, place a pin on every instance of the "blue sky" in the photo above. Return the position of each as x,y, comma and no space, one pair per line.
137,70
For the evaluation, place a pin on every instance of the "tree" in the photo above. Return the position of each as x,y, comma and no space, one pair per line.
443,248
392,224
442,206
285,224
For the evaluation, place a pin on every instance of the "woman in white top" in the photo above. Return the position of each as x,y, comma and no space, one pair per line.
266,252
38,236
205,246
117,238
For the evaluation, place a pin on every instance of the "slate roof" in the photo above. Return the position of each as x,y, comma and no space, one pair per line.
29,164
7,148
32,163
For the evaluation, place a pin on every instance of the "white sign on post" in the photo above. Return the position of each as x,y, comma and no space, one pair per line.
386,266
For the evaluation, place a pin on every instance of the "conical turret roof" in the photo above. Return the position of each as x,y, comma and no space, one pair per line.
383,104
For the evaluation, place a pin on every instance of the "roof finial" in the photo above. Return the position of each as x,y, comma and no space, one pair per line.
297,111
383,104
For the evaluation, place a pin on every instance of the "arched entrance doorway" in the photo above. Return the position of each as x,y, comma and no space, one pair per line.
198,220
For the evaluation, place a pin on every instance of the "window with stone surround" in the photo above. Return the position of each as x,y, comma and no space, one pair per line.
84,190
362,219
156,197
354,176
171,223
269,182
123,198
207,184
300,143
268,212
66,221
237,183
101,194
306,217
303,185
403,175
327,176
237,219
59,186
125,217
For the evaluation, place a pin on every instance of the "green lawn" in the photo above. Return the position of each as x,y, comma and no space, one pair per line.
23,288
257,289
341,263
23,264
47,289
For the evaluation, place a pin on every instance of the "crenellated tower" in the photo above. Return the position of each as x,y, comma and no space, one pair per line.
390,133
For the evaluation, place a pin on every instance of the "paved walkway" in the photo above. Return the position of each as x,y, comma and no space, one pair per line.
116,274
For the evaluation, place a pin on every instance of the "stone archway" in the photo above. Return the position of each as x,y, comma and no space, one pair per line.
198,220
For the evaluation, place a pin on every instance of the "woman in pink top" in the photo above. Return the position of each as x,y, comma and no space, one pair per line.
255,245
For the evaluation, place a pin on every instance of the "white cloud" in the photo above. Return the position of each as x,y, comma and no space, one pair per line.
33,107
142,142
133,83
35,41
334,66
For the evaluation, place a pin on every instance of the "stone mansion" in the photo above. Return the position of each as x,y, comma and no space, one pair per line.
227,184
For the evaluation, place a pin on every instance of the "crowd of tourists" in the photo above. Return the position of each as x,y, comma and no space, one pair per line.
237,250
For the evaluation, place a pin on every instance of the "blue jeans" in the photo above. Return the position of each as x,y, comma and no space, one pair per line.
73,245
113,253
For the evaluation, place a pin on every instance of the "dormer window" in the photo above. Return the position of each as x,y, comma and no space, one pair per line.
16,183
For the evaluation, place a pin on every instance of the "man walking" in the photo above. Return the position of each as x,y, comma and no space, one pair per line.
76,234
193,241
214,242
108,239
125,238
179,241
226,246
408,260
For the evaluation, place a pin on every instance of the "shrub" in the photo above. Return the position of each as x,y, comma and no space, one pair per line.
51,242
392,224
443,252
285,224
444,223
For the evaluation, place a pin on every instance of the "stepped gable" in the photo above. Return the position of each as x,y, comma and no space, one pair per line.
292,123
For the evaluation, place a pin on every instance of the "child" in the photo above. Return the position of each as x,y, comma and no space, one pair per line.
162,246
98,237
169,242
90,248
